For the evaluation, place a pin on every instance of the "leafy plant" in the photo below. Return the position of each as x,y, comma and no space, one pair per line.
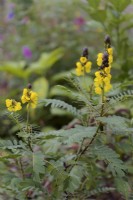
89,158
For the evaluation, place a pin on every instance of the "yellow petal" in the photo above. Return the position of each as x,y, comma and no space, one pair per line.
23,99
18,106
11,108
98,90
106,80
97,74
79,72
8,102
79,65
83,60
34,96
110,51
107,87
88,67
107,69
25,91
100,55
110,59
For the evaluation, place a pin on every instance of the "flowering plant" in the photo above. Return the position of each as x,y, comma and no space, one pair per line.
85,159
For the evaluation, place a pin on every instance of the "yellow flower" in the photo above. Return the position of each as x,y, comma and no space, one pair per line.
83,66
109,76
13,105
102,80
107,87
110,51
97,74
96,84
29,97
79,65
110,59
98,90
79,69
99,59
103,76
107,69
83,60
88,66
79,72
106,80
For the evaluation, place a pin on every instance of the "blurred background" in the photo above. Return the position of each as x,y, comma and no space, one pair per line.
40,42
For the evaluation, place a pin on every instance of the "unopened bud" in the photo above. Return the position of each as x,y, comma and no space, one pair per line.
107,40
85,52
29,86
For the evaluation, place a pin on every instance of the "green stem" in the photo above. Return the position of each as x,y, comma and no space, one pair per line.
27,127
28,115
85,149
100,127
102,108
21,168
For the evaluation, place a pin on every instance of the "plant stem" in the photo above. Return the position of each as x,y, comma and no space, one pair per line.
102,108
22,170
100,127
85,149
28,114
27,127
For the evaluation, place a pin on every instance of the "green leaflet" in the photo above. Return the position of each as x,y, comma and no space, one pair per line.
115,165
123,187
74,180
118,125
70,136
38,165
120,5
120,97
61,104
100,190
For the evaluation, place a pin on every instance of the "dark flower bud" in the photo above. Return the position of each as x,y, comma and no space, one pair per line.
105,56
101,67
105,59
106,64
29,86
107,40
85,52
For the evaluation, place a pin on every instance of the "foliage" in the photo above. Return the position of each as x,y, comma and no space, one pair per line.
75,144
113,17
89,158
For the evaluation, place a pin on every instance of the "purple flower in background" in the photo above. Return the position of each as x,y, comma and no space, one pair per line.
10,12
26,52
10,15
79,21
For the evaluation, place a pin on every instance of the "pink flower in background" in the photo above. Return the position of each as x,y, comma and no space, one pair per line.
79,21
26,51
25,20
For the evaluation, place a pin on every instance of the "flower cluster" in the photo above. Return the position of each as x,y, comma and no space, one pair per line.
28,97
103,76
13,105
83,65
